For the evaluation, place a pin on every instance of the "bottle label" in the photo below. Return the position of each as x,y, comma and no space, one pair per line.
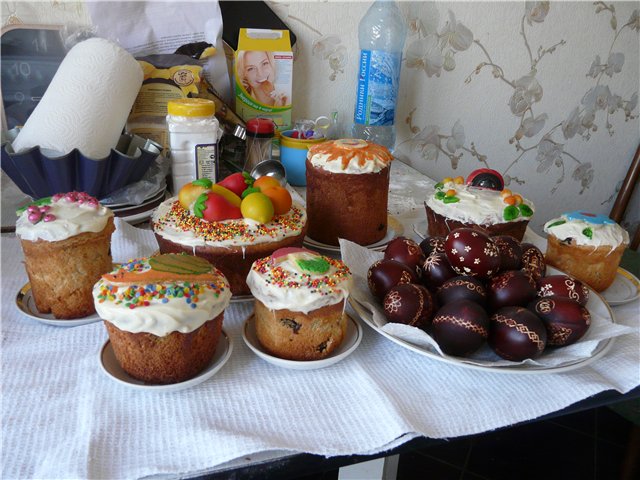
378,80
206,157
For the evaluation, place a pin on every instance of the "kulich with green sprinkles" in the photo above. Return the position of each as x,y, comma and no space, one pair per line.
163,314
300,298
587,246
230,224
480,202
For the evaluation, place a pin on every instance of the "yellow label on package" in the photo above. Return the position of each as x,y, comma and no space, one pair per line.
263,71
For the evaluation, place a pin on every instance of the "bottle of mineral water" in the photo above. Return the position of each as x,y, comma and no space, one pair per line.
381,34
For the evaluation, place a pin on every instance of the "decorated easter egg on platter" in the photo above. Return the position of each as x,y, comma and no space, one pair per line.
462,287
533,261
471,252
410,304
563,286
460,328
516,334
406,251
436,270
510,288
565,319
383,275
510,252
432,244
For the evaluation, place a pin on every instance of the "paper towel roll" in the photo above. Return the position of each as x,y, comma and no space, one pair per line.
87,103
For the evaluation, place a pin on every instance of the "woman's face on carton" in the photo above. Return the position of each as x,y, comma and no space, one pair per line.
257,68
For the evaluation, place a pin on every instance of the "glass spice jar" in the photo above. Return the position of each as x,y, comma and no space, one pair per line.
260,133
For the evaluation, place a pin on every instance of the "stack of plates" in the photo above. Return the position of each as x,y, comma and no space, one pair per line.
141,212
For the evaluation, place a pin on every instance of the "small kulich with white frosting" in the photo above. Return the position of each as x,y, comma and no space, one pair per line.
347,191
299,303
586,246
65,239
481,202
164,315
231,245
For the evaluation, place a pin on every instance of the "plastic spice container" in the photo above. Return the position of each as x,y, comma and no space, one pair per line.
260,132
194,133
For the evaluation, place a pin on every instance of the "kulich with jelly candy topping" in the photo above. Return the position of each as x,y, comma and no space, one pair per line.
586,246
227,228
65,239
163,314
299,303
347,191
480,203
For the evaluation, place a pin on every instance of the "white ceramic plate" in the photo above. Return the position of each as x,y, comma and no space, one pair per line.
241,298
114,371
394,229
149,197
156,199
596,304
349,344
624,289
26,304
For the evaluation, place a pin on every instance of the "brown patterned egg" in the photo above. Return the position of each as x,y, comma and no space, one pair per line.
406,251
436,270
565,319
462,288
533,261
410,304
383,275
471,252
517,334
509,289
510,252
460,328
432,244
563,286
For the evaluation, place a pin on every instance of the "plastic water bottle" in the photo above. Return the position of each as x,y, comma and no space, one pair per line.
381,34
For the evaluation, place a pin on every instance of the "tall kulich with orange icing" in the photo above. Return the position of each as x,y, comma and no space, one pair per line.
65,239
347,191
164,315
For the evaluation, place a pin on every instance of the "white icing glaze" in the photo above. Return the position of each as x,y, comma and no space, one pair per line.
478,206
303,297
358,164
159,318
72,218
166,226
610,234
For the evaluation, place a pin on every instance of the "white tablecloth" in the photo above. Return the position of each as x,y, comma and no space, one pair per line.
62,417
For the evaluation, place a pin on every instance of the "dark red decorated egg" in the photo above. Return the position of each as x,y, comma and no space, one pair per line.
462,287
533,261
432,244
436,270
410,304
471,252
383,275
406,251
563,286
565,319
510,252
517,334
486,178
460,328
511,288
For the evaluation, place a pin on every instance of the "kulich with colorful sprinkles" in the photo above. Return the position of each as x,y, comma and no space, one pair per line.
163,314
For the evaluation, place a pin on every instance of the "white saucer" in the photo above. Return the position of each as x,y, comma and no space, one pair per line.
113,370
26,304
624,289
349,344
394,229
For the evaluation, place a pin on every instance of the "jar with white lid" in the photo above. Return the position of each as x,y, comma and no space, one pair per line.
194,132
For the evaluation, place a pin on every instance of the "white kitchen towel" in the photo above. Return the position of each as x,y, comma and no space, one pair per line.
63,417
87,102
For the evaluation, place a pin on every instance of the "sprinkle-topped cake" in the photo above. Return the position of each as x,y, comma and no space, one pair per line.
482,202
586,246
299,303
66,240
233,234
164,315
347,191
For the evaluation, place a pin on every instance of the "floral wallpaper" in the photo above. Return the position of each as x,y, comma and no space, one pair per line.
544,92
